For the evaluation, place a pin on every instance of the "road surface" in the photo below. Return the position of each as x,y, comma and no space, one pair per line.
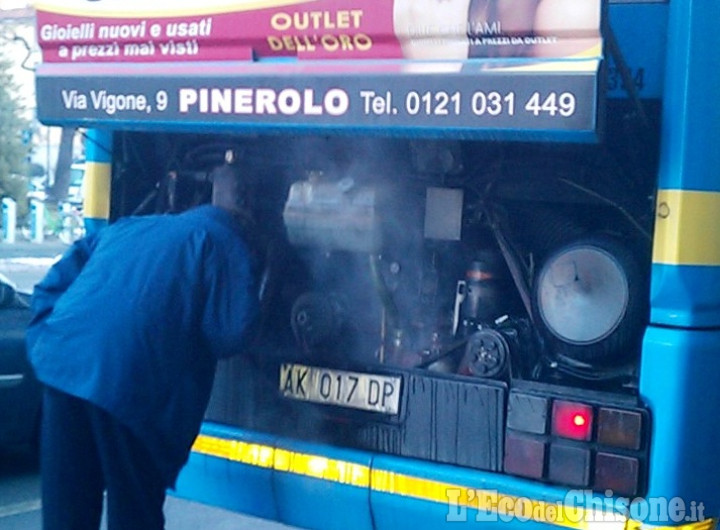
25,263
20,506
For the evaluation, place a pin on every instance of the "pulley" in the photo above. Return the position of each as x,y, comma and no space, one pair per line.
486,354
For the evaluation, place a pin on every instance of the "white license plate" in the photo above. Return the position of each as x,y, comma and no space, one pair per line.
378,393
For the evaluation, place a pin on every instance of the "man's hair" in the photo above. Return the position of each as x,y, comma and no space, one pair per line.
232,178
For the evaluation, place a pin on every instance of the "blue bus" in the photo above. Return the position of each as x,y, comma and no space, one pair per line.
486,297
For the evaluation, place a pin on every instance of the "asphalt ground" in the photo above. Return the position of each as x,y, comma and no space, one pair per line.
27,249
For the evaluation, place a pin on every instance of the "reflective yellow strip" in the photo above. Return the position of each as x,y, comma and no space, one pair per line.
389,482
323,468
236,451
687,225
452,495
266,456
707,524
97,190
212,7
493,502
359,475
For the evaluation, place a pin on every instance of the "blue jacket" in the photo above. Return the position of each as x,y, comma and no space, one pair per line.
134,317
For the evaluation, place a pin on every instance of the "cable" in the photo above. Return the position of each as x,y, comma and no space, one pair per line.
610,202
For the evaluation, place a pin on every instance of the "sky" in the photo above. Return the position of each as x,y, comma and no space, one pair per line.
12,4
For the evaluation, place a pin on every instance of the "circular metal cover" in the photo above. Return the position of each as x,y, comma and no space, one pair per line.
582,294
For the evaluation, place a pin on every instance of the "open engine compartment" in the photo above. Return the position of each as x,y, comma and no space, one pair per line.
491,260
436,299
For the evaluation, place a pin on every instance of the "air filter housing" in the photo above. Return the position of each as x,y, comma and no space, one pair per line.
590,300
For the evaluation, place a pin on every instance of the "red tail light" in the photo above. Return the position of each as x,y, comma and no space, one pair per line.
597,445
572,420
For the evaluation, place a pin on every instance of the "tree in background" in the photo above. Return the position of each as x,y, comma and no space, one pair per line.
13,149
59,189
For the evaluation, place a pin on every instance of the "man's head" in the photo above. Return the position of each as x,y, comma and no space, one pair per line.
232,189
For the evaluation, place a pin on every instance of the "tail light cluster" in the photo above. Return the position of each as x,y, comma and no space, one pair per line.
599,444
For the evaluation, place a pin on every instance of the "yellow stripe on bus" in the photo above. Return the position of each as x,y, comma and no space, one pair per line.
97,190
452,495
323,468
686,228
493,502
236,451
707,524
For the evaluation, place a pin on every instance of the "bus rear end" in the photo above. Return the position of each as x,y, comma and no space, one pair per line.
463,276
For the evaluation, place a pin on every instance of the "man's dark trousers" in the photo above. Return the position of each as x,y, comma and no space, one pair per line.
85,452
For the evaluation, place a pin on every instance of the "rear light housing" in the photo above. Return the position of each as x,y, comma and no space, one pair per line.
565,438
617,473
524,456
620,428
569,464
